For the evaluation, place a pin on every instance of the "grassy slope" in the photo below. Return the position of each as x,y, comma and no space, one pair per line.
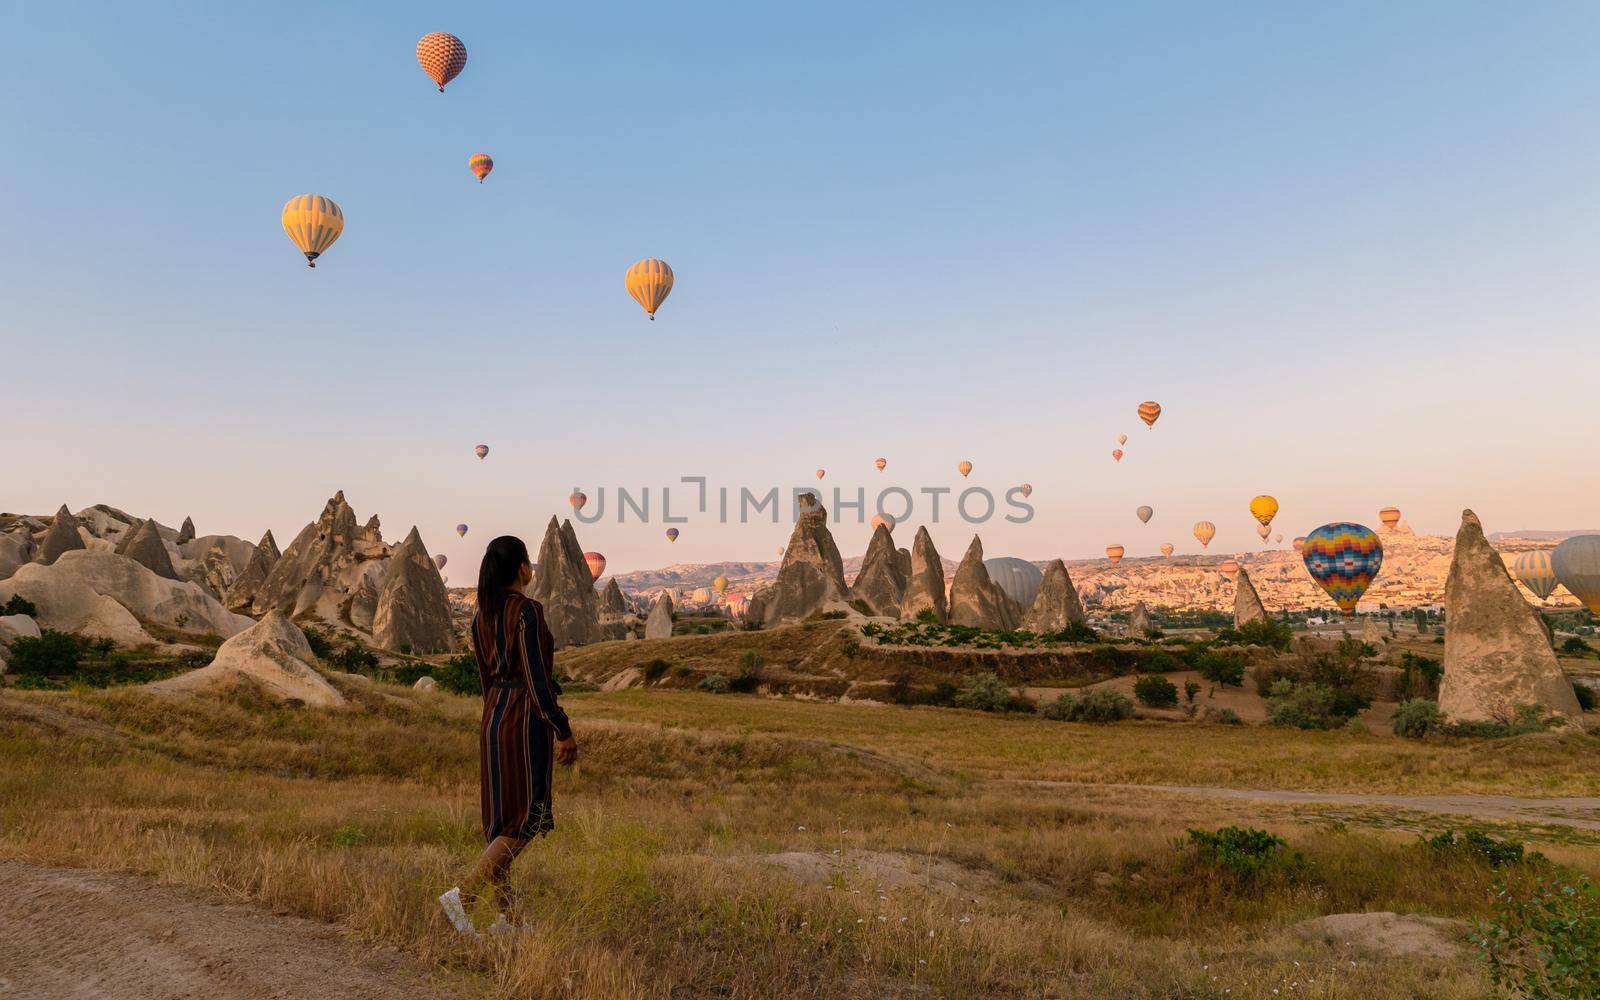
653,883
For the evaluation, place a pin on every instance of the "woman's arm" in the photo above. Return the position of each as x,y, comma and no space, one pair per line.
538,676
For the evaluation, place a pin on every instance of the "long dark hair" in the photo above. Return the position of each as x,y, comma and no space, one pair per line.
502,562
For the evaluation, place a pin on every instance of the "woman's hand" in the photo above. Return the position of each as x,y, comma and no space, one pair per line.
567,751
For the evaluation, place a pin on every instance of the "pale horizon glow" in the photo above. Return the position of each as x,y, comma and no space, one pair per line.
1351,251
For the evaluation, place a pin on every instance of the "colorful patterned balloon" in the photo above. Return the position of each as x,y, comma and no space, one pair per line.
672,534
1343,558
1536,573
1390,516
597,564
649,281
442,56
480,164
1204,531
1149,412
1114,553
461,531
482,451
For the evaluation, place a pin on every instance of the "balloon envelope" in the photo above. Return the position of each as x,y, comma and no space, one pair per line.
964,468
1576,562
1390,516
1026,489
1263,531
1536,573
440,559
442,56
1116,453
1343,558
1229,566
1167,549
1145,513
577,498
481,451
480,164
1264,508
1204,531
672,534
649,281
1114,553
1149,412
821,473
461,530
721,584
597,564
1019,578
1300,543
1278,537
1122,439
884,520
312,222
881,463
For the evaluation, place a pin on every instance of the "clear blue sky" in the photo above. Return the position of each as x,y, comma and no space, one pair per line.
1351,248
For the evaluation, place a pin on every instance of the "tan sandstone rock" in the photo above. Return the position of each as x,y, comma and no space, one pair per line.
565,587
811,577
328,566
925,583
1247,606
146,547
61,537
1057,604
102,593
975,600
413,610
256,570
659,624
1139,620
613,612
272,652
1496,653
881,583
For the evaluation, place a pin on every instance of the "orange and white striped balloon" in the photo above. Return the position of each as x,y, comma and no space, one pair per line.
1149,412
442,56
480,164
649,282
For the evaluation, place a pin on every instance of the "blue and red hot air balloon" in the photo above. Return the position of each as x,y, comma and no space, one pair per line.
1343,558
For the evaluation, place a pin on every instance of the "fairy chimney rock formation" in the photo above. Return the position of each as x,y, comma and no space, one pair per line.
659,624
881,584
1496,653
273,652
1057,605
186,532
412,609
925,581
332,570
812,575
565,587
613,612
1139,620
1247,606
62,537
975,600
145,547
243,592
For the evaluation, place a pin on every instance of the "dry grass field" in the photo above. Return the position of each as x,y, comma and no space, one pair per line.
739,846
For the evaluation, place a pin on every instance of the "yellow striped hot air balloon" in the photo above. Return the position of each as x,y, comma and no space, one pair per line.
1264,508
1229,566
1167,549
1389,516
1114,553
480,164
313,222
649,282
1149,412
1204,531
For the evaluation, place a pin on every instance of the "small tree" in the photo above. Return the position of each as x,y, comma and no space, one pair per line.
1155,691
1221,669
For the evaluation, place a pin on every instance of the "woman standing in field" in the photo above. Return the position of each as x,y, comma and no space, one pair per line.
523,731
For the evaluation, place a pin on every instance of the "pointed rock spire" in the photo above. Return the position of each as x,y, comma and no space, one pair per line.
186,532
413,610
1496,653
1139,620
659,624
1247,606
62,537
145,547
881,584
1057,604
254,574
812,574
925,583
564,587
975,600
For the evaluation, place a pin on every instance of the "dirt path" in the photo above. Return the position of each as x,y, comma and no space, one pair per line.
1579,812
81,935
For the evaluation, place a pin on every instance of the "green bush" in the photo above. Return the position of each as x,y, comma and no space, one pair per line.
1418,677
1063,709
1265,675
748,675
51,654
1159,662
19,605
1477,844
1224,717
1190,689
927,616
654,670
321,648
986,693
459,675
355,658
1415,718
715,683
1261,632
862,607
1243,851
1221,669
1574,646
1528,719
1104,705
1156,691
1543,941
1312,706
1586,696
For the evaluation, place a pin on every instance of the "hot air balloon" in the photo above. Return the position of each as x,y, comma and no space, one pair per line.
1205,531
1026,489
442,56
577,498
313,222
1390,516
1122,439
440,559
672,534
1166,549
1019,579
881,463
1116,453
1114,553
780,552
482,451
649,281
480,164
1264,508
1576,562
964,467
882,519
1536,573
721,584
1277,539
1229,567
1149,412
597,564
1145,513
1263,531
1299,543
461,531
821,473
1343,558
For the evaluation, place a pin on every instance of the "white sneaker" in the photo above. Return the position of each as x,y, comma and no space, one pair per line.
457,913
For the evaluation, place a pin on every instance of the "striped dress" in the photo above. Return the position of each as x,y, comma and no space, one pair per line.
521,718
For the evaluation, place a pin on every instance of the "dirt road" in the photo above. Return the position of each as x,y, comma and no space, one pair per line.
81,935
